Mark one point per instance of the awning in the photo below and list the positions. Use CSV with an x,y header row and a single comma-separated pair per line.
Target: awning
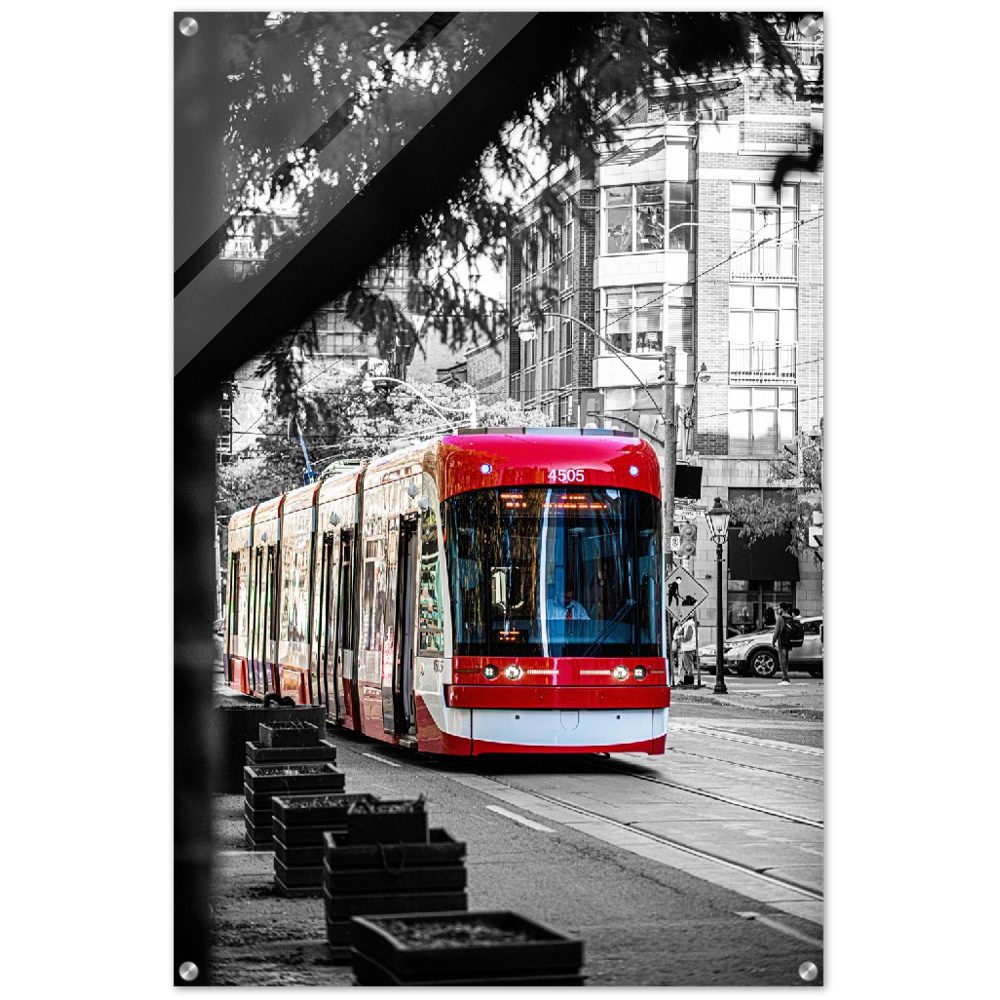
x,y
767,559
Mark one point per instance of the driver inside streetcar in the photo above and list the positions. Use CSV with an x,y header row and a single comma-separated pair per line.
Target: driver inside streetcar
x,y
566,608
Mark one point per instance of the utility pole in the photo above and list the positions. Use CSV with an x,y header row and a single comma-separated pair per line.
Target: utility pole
x,y
218,563
669,449
669,470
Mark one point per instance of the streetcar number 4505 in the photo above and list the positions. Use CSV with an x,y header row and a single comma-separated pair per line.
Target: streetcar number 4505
x,y
565,475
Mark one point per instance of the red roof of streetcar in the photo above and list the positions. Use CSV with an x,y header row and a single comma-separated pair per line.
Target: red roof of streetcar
x,y
538,458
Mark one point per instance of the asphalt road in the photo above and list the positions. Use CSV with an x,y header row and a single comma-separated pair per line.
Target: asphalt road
x,y
701,867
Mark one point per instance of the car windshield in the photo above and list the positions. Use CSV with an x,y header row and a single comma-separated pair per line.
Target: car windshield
x,y
537,571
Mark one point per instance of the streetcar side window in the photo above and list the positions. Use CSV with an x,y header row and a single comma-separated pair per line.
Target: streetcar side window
x,y
431,612
234,594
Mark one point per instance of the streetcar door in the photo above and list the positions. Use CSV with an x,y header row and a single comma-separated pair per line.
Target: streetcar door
x,y
390,643
270,616
254,657
325,658
404,709
344,680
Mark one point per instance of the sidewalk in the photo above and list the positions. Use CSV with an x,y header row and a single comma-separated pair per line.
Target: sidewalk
x,y
804,696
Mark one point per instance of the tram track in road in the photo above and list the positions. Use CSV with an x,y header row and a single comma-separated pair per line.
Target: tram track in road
x,y
728,737
695,852
748,767
714,796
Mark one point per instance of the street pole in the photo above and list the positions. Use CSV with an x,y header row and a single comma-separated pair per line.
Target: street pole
x,y
218,563
720,684
669,471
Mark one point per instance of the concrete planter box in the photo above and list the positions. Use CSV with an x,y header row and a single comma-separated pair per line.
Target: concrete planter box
x,y
260,816
293,779
274,735
324,752
471,948
298,881
237,724
258,838
440,850
300,821
316,809
295,856
387,822
375,881
345,907
308,836
368,972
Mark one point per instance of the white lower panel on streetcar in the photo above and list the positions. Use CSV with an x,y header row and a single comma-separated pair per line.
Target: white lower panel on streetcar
x,y
553,727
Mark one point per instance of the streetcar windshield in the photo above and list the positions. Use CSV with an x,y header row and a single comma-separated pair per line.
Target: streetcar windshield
x,y
543,571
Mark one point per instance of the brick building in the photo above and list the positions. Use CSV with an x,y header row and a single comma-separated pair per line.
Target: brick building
x,y
679,234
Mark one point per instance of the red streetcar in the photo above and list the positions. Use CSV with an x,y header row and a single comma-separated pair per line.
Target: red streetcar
x,y
484,592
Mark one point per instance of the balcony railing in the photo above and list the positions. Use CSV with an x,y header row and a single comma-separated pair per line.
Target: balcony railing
x,y
761,363
771,262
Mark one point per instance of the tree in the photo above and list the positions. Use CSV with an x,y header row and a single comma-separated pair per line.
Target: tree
x,y
340,420
366,77
791,512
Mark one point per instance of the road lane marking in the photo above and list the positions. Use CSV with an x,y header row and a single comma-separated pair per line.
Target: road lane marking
x,y
777,925
524,821
381,760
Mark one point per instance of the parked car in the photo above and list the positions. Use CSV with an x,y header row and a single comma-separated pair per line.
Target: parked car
x,y
755,655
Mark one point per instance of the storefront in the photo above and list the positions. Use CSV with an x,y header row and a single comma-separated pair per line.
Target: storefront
x,y
761,576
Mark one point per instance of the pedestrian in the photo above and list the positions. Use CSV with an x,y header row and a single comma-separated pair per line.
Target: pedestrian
x,y
675,656
780,639
689,648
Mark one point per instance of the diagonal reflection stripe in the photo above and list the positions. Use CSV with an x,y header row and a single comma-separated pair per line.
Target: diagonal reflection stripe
x,y
211,301
322,137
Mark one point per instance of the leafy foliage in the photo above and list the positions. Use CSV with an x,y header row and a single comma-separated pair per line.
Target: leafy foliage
x,y
354,81
340,420
791,511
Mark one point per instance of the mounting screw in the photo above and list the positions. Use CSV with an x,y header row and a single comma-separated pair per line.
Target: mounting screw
x,y
189,972
189,27
808,971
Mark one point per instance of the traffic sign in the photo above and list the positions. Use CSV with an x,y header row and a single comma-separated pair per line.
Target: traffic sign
x,y
684,594
815,536
675,544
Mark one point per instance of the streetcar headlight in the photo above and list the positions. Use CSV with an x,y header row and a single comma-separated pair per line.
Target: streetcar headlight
x,y
639,672
491,672
513,672
620,672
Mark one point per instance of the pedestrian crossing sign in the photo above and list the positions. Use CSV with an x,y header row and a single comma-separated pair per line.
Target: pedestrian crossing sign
x,y
684,594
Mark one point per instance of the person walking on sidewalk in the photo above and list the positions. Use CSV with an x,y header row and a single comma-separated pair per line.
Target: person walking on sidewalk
x,y
689,648
780,639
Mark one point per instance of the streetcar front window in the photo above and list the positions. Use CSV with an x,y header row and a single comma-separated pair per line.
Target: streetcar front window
x,y
539,571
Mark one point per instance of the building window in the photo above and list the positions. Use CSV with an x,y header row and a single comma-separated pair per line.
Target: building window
x,y
763,230
633,218
763,322
681,215
752,603
680,318
633,319
564,410
567,229
761,420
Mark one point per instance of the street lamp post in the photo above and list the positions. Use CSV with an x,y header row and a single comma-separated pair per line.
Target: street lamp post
x,y
718,527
